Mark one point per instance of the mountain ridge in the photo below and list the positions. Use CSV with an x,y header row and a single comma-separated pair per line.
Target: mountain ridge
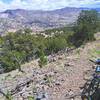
x,y
82,8
37,20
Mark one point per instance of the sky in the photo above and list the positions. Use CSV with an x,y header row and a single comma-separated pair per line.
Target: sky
x,y
47,4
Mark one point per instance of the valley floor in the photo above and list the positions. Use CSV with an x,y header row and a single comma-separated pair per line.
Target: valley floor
x,y
57,80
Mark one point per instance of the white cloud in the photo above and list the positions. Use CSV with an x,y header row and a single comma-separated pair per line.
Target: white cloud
x,y
2,6
47,4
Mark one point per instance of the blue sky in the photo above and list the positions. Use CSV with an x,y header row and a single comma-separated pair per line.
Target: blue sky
x,y
47,4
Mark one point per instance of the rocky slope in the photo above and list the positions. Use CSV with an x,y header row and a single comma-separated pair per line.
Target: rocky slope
x,y
59,79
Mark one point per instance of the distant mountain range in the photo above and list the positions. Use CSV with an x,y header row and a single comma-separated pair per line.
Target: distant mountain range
x,y
37,20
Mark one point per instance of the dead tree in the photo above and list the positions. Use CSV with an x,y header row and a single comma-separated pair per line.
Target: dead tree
x,y
20,86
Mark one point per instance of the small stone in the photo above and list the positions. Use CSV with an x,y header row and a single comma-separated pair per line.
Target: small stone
x,y
57,83
70,92
55,72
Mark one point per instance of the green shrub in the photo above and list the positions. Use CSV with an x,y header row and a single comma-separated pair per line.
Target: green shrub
x,y
85,27
43,58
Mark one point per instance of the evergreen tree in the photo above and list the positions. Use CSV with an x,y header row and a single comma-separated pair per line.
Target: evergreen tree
x,y
85,27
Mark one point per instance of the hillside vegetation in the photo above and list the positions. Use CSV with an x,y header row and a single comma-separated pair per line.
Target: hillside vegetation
x,y
22,46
